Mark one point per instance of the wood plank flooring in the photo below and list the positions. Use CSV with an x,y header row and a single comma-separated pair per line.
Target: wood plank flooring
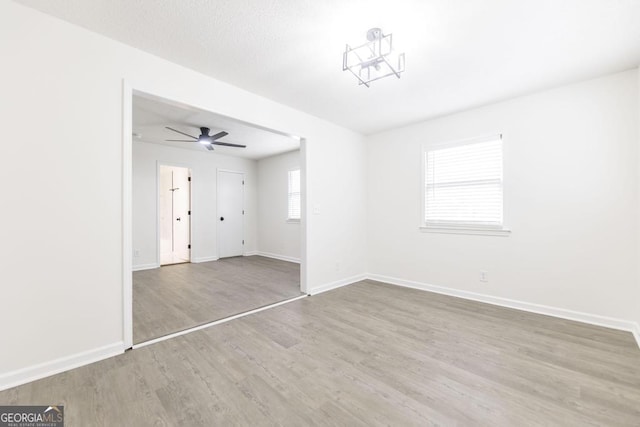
x,y
177,297
365,354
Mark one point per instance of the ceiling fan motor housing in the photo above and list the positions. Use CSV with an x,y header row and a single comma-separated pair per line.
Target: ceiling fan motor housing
x,y
205,139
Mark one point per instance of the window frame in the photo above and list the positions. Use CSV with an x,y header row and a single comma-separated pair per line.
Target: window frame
x,y
471,229
289,193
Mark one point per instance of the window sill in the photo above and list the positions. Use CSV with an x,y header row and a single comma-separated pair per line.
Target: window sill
x,y
478,231
293,221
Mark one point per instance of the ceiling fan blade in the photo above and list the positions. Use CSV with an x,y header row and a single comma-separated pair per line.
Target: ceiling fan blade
x,y
226,144
208,147
182,133
219,135
179,140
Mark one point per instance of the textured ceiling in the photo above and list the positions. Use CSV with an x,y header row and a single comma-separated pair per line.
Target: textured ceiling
x,y
459,53
151,115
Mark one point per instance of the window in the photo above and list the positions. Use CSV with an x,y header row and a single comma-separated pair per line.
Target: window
x,y
294,196
463,186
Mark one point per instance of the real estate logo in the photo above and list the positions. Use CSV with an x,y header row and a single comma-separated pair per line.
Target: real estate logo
x,y
31,416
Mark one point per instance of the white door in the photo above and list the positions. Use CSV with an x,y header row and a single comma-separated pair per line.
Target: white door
x,y
230,214
175,219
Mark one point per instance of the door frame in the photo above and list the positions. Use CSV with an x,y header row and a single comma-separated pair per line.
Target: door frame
x,y
218,170
148,89
160,163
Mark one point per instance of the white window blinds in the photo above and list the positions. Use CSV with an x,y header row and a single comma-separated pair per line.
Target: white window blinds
x,y
294,194
463,184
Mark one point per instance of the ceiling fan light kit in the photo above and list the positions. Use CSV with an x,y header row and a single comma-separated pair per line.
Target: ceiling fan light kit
x,y
373,60
205,139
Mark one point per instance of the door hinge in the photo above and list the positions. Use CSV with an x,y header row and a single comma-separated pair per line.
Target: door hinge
x,y
243,212
188,246
243,182
189,213
189,179
243,242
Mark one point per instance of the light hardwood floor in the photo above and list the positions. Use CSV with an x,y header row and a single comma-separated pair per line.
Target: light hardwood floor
x,y
177,297
365,354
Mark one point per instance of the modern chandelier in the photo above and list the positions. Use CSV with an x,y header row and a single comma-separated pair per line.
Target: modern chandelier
x,y
373,60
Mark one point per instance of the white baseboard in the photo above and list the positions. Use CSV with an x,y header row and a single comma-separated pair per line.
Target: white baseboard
x,y
42,370
250,253
337,284
204,259
276,256
141,267
593,319
636,333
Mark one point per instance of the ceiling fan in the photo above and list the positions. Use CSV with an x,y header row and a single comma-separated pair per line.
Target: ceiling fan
x,y
205,139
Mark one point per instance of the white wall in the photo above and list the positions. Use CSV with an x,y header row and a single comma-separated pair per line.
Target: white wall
x,y
571,200
203,200
62,255
277,237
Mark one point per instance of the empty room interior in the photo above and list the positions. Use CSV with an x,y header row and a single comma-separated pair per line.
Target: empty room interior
x,y
216,227
320,213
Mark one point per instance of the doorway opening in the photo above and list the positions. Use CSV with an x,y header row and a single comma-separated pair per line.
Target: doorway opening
x,y
218,214
174,208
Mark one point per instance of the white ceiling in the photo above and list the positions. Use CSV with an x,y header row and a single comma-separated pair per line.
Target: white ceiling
x,y
459,53
151,115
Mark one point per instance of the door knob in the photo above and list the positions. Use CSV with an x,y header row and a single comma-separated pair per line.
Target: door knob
x,y
178,219
221,218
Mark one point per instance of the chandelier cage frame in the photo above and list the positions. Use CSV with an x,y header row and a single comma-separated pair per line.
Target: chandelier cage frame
x,y
373,60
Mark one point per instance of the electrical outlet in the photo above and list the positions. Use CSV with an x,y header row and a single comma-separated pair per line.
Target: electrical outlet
x,y
136,253
484,276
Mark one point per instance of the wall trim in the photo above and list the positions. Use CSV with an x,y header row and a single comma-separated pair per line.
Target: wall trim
x,y
42,370
204,259
636,332
337,284
250,253
141,267
127,213
46,369
276,256
593,319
